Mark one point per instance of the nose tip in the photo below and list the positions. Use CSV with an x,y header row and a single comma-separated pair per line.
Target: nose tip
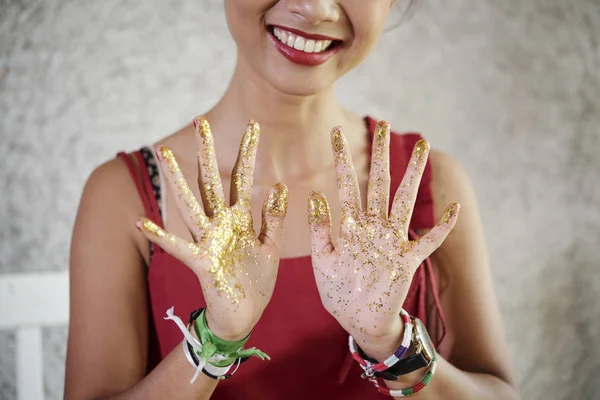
x,y
315,11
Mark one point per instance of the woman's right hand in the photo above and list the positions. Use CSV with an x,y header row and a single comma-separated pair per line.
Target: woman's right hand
x,y
237,269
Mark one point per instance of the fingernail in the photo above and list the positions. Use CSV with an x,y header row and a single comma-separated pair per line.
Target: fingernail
x,y
452,210
202,127
253,127
252,134
382,129
421,150
318,209
138,225
337,139
151,227
277,202
164,153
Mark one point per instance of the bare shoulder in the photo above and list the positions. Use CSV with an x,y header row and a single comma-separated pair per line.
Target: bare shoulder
x,y
107,287
450,183
111,200
113,174
468,298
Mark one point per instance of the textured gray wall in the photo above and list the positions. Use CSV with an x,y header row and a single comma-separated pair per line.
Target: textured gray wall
x,y
511,88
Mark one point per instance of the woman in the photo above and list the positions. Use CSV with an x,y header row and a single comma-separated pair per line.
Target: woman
x,y
195,249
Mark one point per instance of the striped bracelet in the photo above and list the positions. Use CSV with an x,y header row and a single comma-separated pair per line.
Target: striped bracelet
x,y
369,367
382,388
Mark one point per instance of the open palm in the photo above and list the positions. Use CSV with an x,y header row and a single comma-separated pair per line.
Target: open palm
x,y
237,269
363,280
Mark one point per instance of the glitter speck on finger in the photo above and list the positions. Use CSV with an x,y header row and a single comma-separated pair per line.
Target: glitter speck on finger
x,y
278,201
452,210
318,209
421,150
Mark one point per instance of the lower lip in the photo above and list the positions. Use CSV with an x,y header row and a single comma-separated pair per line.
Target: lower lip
x,y
302,58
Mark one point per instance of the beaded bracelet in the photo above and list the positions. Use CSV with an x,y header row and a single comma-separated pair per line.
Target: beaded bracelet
x,y
382,388
369,367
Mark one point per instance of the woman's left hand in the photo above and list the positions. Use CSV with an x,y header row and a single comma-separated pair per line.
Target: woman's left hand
x,y
363,280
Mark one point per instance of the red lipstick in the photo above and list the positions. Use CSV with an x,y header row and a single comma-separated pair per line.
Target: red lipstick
x,y
301,57
304,34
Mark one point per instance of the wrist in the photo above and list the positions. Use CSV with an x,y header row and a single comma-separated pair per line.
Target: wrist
x,y
229,335
382,346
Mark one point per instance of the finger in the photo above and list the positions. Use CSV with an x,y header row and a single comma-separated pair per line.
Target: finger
x,y
243,171
347,183
190,209
179,248
425,246
273,215
319,220
208,174
378,194
404,200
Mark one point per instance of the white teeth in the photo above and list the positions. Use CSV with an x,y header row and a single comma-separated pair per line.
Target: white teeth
x,y
309,47
301,43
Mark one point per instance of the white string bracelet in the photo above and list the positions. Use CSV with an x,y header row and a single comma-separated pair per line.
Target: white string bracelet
x,y
202,363
211,369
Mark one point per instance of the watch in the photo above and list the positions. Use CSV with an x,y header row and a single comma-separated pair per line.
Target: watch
x,y
424,354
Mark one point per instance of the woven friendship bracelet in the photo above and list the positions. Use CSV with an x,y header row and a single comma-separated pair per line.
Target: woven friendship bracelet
x,y
369,367
382,388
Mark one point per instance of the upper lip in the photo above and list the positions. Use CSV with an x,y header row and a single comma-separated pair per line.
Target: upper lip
x,y
305,34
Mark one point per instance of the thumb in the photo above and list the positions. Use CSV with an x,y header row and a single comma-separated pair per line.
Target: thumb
x,y
274,211
319,219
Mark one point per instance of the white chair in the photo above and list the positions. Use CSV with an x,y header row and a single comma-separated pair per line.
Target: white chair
x,y
29,302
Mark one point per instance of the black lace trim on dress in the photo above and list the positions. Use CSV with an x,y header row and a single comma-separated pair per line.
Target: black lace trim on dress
x,y
152,166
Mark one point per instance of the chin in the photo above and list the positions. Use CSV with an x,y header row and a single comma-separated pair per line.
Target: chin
x,y
300,67
303,84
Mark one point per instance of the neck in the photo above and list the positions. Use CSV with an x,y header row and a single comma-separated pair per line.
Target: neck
x,y
294,138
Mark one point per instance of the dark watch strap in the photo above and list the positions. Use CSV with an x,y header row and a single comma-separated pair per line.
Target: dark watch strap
x,y
402,367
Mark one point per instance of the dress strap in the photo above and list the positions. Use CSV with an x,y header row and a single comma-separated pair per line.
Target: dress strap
x,y
436,299
139,166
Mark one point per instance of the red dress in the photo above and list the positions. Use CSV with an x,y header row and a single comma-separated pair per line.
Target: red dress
x,y
308,348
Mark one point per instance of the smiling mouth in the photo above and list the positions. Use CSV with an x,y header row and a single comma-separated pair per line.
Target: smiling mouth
x,y
305,44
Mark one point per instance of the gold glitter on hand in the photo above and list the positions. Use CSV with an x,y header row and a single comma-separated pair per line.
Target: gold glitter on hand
x,y
210,177
421,151
236,270
244,168
452,210
382,129
365,277
203,128
318,209
337,140
189,207
277,202
150,227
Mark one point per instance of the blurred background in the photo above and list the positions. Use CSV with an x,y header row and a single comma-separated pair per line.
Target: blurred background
x,y
511,88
